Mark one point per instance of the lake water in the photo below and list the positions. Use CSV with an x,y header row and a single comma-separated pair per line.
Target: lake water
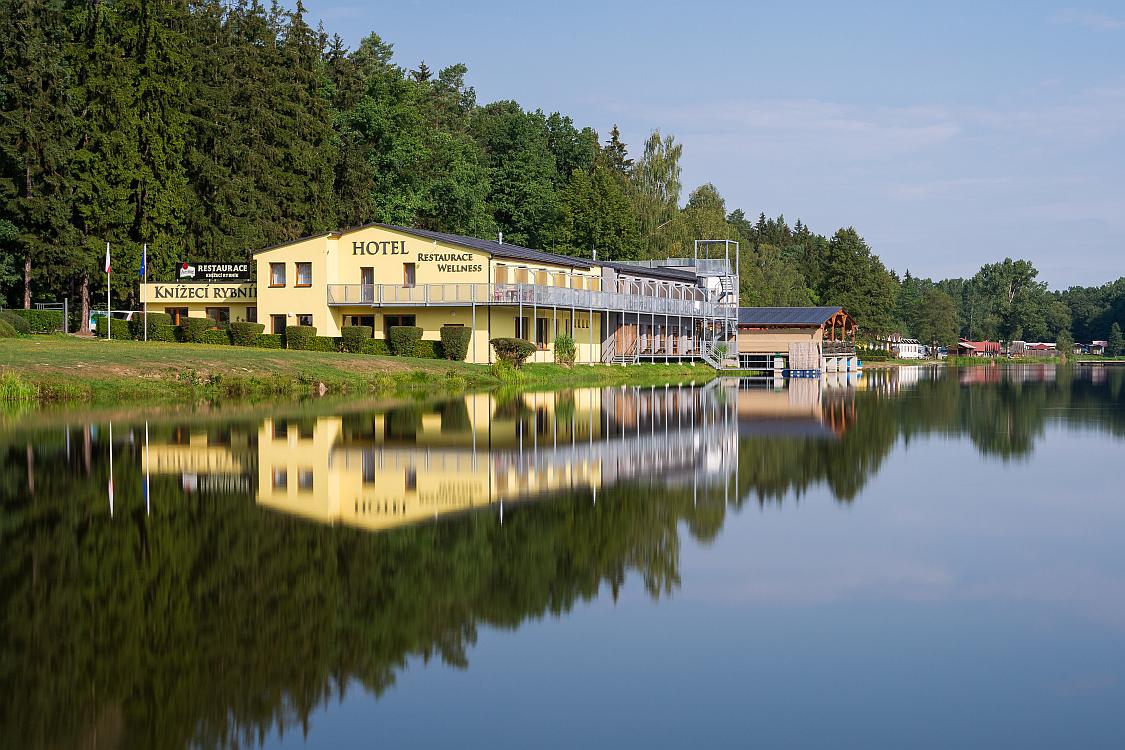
x,y
914,558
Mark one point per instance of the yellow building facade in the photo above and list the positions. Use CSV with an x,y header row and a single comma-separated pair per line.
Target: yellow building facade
x,y
384,276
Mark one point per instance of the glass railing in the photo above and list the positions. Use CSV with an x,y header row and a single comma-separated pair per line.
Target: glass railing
x,y
685,302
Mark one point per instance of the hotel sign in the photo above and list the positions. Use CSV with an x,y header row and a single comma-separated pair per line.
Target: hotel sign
x,y
213,272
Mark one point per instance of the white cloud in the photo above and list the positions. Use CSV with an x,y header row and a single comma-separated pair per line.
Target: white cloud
x,y
1089,20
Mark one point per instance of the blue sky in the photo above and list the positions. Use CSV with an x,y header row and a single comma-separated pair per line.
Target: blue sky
x,y
949,134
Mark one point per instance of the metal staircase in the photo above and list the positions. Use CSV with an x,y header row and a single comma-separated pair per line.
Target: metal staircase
x,y
629,357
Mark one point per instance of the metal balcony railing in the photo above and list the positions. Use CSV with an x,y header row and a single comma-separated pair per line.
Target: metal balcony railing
x,y
690,301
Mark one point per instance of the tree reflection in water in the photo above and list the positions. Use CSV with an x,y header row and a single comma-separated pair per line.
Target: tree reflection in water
x,y
214,620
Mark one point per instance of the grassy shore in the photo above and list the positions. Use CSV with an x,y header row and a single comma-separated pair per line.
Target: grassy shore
x,y
60,369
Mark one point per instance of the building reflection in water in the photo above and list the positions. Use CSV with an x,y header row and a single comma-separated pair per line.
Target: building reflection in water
x,y
419,461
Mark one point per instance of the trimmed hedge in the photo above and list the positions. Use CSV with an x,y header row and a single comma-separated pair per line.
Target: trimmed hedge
x,y
455,342
216,336
42,321
194,330
428,350
155,320
513,351
322,344
375,346
403,340
246,334
270,341
119,329
18,322
299,337
162,333
7,331
352,338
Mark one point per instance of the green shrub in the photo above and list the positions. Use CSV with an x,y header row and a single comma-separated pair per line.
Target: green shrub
x,y
216,336
404,340
15,321
15,388
7,331
428,350
352,338
513,351
872,355
155,320
194,330
119,329
165,332
270,341
565,352
299,337
322,344
455,342
245,334
42,321
375,346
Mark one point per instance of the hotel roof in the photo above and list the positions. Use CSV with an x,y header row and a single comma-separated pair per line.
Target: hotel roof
x,y
785,316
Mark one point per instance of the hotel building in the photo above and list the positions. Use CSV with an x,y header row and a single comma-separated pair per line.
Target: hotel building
x,y
382,276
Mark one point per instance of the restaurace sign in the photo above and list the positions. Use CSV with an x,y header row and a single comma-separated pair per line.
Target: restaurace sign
x,y
213,272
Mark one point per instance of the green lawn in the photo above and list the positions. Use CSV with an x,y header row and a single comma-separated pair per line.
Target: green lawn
x,y
68,368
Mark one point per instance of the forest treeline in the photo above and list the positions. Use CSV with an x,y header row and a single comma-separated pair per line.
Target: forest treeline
x,y
208,129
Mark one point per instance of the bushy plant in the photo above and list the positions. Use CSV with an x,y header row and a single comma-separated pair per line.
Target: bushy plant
x,y
162,333
245,334
403,340
565,351
322,344
155,320
352,338
119,329
270,341
42,321
455,342
299,337
375,346
7,331
15,321
216,336
513,351
428,350
194,330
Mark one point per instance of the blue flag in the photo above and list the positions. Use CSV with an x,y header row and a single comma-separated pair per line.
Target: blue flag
x,y
144,262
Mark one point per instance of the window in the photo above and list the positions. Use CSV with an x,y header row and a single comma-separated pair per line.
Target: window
x,y
304,319
521,328
521,275
280,429
408,275
177,314
251,315
305,480
541,278
389,321
501,275
277,274
304,274
280,478
277,324
219,314
542,326
360,320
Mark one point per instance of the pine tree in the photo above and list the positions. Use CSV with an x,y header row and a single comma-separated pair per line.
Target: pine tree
x,y
616,155
1116,344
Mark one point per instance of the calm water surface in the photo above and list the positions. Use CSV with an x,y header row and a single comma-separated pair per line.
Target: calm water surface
x,y
909,559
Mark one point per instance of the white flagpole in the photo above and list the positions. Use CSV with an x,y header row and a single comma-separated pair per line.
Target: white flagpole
x,y
111,469
148,469
108,310
144,293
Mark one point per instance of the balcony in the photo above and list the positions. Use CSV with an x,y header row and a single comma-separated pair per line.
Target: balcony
x,y
838,347
682,302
